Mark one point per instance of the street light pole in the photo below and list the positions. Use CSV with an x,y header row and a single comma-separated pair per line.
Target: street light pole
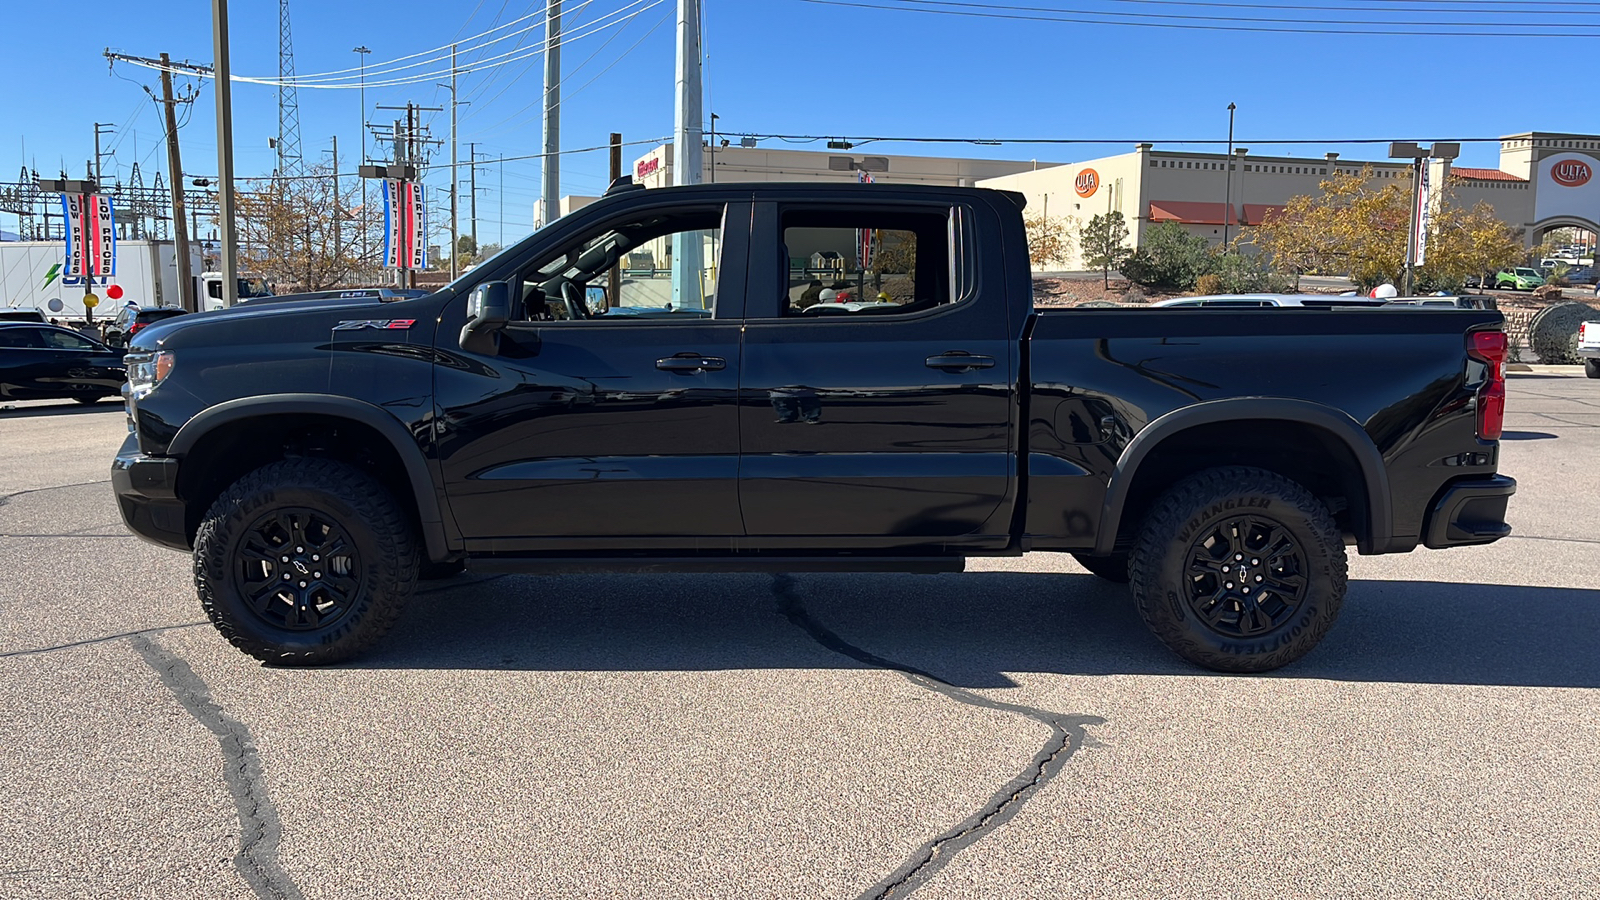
x,y
1227,203
363,51
224,90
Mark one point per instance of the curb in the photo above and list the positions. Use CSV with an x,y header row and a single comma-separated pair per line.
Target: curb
x,y
1521,368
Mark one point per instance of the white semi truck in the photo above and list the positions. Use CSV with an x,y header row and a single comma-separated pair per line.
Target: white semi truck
x,y
147,275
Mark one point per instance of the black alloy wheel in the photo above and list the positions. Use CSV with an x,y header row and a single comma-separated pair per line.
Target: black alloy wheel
x,y
298,569
305,562
1239,570
1246,576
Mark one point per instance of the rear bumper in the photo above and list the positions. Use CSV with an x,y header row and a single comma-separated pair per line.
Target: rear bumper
x,y
146,491
1471,511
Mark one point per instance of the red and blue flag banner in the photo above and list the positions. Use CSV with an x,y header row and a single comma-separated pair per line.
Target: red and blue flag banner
x,y
91,236
405,225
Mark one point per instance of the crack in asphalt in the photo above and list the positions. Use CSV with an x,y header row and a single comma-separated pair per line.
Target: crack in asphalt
x,y
1068,736
260,832
1559,540
6,498
100,640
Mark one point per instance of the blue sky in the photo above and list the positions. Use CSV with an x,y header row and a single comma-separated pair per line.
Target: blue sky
x,y
793,67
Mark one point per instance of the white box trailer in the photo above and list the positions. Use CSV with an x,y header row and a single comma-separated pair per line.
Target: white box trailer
x,y
147,273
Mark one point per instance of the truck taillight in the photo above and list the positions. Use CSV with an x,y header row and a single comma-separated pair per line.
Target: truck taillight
x,y
1490,347
134,328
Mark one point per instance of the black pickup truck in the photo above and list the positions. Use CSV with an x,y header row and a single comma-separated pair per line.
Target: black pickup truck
x,y
708,379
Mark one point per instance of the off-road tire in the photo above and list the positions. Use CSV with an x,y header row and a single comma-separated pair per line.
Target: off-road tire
x,y
1591,368
384,560
1202,513
1113,568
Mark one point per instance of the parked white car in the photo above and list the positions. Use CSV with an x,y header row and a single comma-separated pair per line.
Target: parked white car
x,y
1589,348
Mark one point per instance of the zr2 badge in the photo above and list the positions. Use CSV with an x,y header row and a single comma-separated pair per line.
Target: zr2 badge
x,y
380,324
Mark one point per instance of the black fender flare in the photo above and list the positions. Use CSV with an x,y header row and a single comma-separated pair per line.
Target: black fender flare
x,y
1337,422
430,515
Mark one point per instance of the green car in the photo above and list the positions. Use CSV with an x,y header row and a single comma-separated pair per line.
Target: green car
x,y
1518,279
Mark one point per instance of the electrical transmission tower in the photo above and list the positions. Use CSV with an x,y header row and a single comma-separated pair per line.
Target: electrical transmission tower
x,y
289,162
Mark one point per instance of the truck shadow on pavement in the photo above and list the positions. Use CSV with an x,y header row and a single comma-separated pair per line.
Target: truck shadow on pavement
x,y
970,629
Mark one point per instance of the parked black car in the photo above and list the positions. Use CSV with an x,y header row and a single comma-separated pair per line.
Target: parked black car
x,y
134,319
45,362
318,459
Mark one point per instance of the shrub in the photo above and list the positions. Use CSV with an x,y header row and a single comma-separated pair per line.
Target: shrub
x,y
1237,273
1171,258
1209,283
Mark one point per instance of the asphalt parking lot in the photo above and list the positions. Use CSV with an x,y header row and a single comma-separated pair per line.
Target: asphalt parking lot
x,y
1008,732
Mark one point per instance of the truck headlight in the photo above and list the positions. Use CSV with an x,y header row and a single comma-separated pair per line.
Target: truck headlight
x,y
146,370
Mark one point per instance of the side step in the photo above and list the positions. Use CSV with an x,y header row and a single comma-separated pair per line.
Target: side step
x,y
648,565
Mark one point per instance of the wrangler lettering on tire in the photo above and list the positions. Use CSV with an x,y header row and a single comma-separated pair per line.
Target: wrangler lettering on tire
x,y
1239,570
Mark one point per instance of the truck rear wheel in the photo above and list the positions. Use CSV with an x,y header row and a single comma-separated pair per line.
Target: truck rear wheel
x,y
1239,570
1591,368
305,562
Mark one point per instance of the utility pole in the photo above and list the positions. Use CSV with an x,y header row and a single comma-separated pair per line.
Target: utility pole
x,y
99,128
614,277
1227,204
224,89
338,214
687,290
455,134
180,227
363,50
472,192
550,185
501,230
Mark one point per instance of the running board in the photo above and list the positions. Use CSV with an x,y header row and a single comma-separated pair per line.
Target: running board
x,y
649,565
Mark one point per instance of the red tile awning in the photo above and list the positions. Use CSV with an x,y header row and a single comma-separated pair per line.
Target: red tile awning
x,y
1484,174
1191,212
1255,213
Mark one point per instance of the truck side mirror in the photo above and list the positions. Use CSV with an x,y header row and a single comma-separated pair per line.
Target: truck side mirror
x,y
488,311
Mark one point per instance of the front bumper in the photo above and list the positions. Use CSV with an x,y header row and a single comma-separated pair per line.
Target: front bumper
x,y
1470,511
146,491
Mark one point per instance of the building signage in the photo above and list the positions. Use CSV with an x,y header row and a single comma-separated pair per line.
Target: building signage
x,y
1087,182
647,167
1571,173
1565,188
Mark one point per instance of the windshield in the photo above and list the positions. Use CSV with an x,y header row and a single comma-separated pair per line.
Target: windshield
x,y
1527,273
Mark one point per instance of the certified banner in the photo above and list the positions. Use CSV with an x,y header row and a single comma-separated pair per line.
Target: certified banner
x,y
416,226
391,223
1423,219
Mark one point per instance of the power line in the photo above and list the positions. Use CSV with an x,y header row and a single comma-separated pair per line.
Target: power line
x,y
513,56
1260,19
1397,6
859,141
1018,13
592,79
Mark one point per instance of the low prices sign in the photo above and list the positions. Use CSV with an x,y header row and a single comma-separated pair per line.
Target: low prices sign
x,y
91,234
405,225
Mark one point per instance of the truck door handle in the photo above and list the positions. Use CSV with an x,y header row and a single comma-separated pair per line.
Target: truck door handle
x,y
691,362
959,361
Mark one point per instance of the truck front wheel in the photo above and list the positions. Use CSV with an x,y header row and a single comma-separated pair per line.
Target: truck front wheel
x,y
1591,368
1239,570
305,562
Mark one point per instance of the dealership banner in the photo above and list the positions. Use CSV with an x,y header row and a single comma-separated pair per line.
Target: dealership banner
x,y
405,225
91,235
1422,219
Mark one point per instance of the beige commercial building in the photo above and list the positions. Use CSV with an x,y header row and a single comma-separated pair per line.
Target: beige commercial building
x,y
1544,181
